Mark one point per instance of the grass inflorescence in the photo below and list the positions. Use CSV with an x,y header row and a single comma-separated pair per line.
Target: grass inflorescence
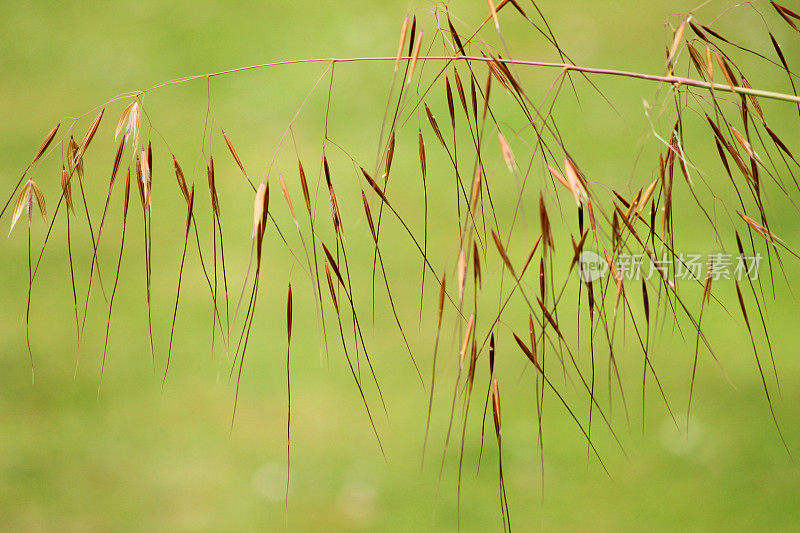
x,y
507,284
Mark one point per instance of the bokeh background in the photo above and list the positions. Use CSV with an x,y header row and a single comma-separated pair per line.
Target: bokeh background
x,y
137,456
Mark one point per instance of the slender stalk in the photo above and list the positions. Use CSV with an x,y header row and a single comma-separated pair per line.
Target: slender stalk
x,y
674,80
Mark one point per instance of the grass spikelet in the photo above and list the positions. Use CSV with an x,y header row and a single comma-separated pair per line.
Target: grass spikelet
x,y
473,98
508,155
422,160
73,166
46,143
697,61
368,214
331,287
493,12
304,186
434,125
575,182
753,100
42,148
457,41
412,35
498,433
460,91
145,179
730,77
139,181
286,196
787,15
501,250
129,122
335,214
450,108
462,274
181,180
234,154
528,352
258,209
544,219
709,64
87,139
389,156
374,187
647,194
476,191
424,168
212,187
414,57
496,408
66,189
487,90
24,203
746,145
761,230
465,343
557,175
676,41
402,43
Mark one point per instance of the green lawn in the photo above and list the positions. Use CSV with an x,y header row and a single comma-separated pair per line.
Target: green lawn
x,y
139,456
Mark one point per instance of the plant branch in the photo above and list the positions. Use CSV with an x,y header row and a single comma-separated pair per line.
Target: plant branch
x,y
673,80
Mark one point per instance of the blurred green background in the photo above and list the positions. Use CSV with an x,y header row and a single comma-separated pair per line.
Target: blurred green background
x,y
137,457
